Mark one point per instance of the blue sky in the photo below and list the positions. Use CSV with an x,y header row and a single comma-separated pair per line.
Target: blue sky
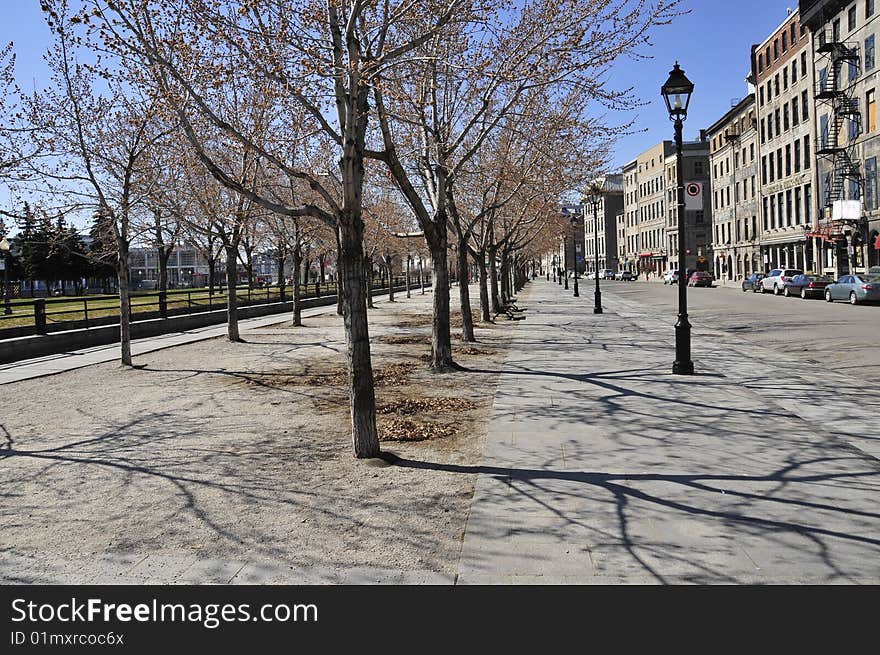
x,y
712,44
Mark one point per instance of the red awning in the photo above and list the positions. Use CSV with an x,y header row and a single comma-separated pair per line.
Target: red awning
x,y
877,243
646,254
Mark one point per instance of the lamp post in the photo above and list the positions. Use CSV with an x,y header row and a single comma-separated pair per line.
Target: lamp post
x,y
595,197
4,249
574,221
677,94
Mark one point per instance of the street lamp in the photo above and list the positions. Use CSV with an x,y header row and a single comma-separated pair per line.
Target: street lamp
x,y
595,198
565,258
574,221
4,248
677,94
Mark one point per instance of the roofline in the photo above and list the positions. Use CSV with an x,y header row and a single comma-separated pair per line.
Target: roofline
x,y
795,12
738,108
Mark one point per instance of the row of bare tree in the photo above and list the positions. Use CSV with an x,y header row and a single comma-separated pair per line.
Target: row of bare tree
x,y
348,122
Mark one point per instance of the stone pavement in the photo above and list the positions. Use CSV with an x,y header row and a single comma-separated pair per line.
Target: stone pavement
x,y
602,467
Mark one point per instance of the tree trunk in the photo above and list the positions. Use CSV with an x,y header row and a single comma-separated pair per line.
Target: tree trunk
x,y
340,272
231,296
388,264
212,275
485,314
124,308
297,281
441,342
164,255
323,261
368,276
493,283
421,276
360,369
282,283
464,293
408,294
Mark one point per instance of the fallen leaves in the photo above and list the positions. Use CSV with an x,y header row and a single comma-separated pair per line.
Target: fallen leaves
x,y
403,429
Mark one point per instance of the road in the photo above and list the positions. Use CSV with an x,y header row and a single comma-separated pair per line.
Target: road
x,y
844,338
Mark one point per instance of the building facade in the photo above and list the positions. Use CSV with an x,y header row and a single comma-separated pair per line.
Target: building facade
x,y
609,205
698,222
847,235
783,74
733,162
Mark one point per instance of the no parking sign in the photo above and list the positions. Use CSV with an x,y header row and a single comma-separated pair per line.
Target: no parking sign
x,y
693,196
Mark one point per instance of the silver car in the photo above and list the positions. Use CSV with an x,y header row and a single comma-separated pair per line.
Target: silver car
x,y
855,289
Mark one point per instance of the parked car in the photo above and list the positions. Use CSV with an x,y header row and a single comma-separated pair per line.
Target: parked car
x,y
775,279
626,276
855,288
806,286
700,279
671,276
607,274
752,282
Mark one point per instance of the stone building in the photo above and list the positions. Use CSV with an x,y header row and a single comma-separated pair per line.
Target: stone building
x,y
846,238
698,222
733,162
610,203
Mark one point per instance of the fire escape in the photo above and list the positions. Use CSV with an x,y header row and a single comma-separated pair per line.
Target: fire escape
x,y
836,147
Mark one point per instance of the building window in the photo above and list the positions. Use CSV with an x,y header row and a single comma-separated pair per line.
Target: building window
x,y
804,64
871,183
835,31
869,53
760,63
769,91
776,84
854,124
807,152
788,160
797,206
788,216
871,111
823,80
766,215
772,213
761,96
779,163
823,132
785,119
805,106
775,49
753,186
794,113
793,34
869,8
751,152
779,215
785,79
794,72
770,167
777,117
763,134
764,170
797,156
853,70
851,18
784,42
808,203
698,168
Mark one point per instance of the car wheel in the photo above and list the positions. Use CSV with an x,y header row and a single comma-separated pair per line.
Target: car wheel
x,y
786,292
803,294
775,289
853,298
744,288
828,297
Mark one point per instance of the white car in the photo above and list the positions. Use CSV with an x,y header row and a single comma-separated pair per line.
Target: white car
x,y
670,276
775,280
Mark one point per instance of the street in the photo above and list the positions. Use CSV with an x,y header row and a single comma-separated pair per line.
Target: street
x,y
838,336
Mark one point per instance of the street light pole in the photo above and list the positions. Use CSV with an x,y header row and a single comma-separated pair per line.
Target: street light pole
x,y
677,93
597,294
4,249
574,252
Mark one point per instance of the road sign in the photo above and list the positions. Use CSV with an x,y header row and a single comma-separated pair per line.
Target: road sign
x,y
701,259
693,196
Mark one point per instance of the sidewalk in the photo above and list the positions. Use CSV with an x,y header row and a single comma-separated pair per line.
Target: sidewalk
x,y
602,467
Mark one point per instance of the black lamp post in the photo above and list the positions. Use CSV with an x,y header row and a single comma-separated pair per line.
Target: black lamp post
x,y
677,94
574,221
595,198
4,251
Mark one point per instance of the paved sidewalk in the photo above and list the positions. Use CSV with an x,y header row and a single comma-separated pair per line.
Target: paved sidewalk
x,y
602,467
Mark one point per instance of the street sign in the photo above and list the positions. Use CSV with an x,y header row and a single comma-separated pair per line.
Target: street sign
x,y
701,259
693,196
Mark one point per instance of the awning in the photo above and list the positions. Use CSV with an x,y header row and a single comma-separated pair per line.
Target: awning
x,y
646,254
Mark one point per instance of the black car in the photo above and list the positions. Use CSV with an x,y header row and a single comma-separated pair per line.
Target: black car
x,y
751,282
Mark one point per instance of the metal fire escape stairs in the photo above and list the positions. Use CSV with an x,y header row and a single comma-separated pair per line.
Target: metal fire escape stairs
x,y
837,147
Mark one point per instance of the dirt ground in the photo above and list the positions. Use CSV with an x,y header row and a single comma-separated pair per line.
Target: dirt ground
x,y
242,451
